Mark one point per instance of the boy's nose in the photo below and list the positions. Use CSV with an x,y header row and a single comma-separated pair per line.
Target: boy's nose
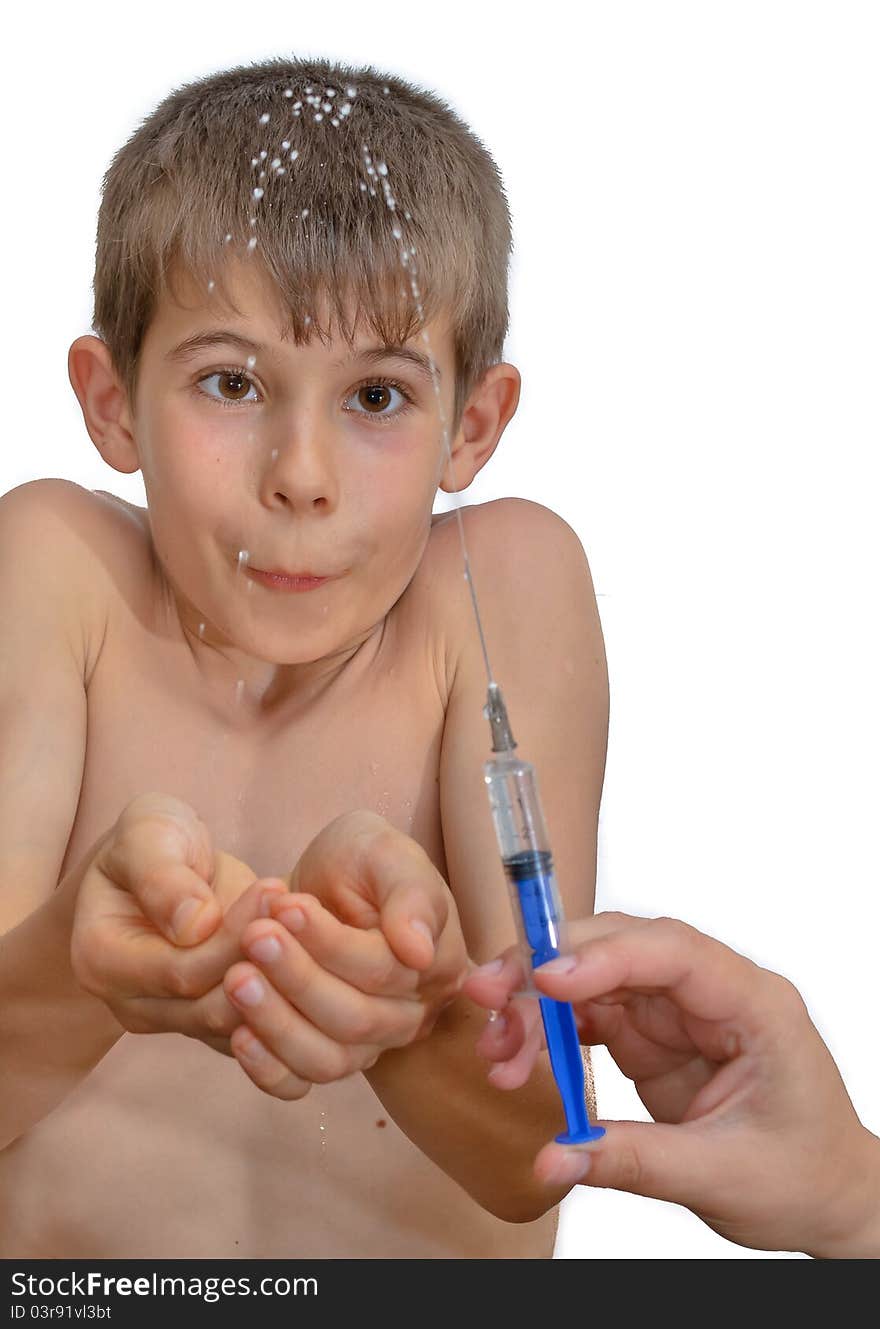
x,y
300,472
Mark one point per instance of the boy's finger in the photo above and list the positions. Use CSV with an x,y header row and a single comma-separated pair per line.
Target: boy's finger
x,y
413,901
284,1031
360,957
266,1071
173,895
333,1006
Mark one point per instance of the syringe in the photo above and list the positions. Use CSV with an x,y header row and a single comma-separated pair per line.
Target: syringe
x,y
528,862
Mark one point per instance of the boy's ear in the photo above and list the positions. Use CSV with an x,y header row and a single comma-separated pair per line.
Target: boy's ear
x,y
489,409
104,403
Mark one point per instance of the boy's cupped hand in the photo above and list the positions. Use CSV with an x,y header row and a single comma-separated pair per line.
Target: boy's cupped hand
x,y
158,921
360,956
303,985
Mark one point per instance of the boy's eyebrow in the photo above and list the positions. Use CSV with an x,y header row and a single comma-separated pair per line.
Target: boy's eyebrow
x,y
222,337
420,362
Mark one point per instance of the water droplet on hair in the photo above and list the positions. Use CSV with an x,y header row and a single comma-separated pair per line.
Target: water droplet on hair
x,y
319,116
386,91
329,92
297,106
227,239
258,193
351,92
264,119
285,144
334,121
326,107
288,92
275,163
252,243
345,108
255,161
294,155
304,213
263,155
383,169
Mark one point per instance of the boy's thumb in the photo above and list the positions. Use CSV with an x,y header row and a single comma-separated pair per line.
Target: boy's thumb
x,y
653,1159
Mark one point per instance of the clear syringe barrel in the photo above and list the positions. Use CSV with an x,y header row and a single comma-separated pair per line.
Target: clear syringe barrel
x,y
527,858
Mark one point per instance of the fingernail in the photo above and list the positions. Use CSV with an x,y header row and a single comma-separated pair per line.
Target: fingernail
x,y
251,1048
184,914
293,919
489,970
266,902
563,964
249,993
422,929
265,950
570,1168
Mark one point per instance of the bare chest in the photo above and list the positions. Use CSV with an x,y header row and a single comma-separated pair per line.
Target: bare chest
x,y
371,740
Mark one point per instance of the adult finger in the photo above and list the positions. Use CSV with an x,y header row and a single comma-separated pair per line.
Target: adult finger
x,y
702,976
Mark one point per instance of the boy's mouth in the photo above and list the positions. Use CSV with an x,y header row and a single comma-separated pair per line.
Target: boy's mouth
x,y
279,580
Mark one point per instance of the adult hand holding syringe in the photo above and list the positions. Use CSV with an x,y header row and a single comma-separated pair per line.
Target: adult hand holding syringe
x,y
753,1127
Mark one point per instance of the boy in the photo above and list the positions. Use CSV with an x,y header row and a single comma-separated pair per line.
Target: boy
x,y
274,664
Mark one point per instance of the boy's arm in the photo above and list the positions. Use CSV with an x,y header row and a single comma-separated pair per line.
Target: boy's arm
x,y
52,1032
545,645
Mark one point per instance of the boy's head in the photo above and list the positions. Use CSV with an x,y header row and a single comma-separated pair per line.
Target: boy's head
x,y
263,340
180,196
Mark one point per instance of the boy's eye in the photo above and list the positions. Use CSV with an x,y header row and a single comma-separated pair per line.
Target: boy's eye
x,y
377,398
232,386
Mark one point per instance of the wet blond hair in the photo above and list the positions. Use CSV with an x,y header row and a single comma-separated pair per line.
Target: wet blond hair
x,y
386,188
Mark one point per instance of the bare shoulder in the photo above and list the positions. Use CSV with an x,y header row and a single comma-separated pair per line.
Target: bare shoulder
x,y
517,549
82,549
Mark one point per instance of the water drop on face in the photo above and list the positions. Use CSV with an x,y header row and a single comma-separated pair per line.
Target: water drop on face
x,y
251,361
258,193
243,557
274,454
264,119
239,695
211,285
201,629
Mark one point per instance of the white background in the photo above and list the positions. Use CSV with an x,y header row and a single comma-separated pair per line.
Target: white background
x,y
695,312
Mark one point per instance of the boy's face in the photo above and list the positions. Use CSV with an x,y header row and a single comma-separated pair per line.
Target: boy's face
x,y
311,459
